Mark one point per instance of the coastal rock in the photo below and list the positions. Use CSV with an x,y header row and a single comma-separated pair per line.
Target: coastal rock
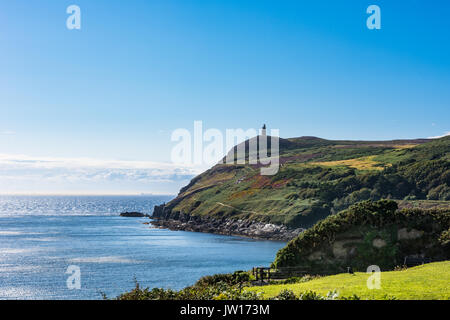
x,y
165,217
251,229
133,214
339,249
404,234
379,243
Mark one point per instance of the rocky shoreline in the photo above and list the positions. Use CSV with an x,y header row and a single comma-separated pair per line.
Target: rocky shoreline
x,y
254,230
165,217
134,214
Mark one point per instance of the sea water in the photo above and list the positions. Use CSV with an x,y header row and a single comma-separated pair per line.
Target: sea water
x,y
41,236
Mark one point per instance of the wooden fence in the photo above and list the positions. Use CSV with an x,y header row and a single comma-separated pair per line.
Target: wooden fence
x,y
267,274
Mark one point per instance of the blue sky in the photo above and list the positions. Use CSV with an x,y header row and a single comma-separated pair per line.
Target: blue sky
x,y
137,70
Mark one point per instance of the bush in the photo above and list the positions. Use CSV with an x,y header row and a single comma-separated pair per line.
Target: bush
x,y
285,295
445,237
292,280
310,295
215,287
237,277
381,217
352,297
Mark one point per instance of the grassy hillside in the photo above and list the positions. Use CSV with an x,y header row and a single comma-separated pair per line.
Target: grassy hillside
x,y
319,177
426,282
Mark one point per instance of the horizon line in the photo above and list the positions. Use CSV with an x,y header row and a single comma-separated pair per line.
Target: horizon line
x,y
85,194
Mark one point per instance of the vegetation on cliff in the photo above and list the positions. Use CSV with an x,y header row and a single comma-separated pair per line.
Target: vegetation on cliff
x,y
317,178
369,233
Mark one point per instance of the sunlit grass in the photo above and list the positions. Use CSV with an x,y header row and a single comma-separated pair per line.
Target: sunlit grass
x,y
426,282
363,163
404,146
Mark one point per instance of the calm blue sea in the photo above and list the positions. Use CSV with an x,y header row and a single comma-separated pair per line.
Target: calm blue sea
x,y
41,236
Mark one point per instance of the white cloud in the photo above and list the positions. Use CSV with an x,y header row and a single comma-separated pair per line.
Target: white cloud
x,y
444,135
23,173
109,259
7,133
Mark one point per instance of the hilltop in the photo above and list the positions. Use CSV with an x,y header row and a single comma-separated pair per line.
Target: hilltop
x,y
317,177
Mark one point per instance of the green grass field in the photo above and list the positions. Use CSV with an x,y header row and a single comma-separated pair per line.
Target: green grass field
x,y
426,282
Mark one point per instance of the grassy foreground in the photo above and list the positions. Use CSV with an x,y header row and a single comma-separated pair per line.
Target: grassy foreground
x,y
427,282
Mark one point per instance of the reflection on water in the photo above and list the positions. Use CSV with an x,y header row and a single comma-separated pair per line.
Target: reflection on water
x,y
36,248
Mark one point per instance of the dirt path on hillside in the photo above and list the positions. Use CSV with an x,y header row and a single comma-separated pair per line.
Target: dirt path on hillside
x,y
228,206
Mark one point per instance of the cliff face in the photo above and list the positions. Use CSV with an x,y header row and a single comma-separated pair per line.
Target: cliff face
x,y
168,216
317,177
252,229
